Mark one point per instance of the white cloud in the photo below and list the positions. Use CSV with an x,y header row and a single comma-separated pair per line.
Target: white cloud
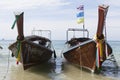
x,y
58,19
28,4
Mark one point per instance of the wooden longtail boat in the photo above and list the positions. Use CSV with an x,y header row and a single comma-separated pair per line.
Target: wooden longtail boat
x,y
31,50
86,52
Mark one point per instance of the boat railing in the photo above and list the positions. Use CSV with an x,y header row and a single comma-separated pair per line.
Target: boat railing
x,y
77,29
42,32
78,45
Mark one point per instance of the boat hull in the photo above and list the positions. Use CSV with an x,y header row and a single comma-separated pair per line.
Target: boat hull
x,y
31,53
84,54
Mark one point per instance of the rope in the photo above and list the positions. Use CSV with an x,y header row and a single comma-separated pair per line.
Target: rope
x,y
55,56
18,51
106,48
80,61
99,52
4,77
98,57
80,57
63,50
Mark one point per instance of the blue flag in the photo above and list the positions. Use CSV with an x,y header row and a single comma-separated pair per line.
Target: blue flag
x,y
80,14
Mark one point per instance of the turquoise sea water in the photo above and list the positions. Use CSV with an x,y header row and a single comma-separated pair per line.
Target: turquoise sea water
x,y
62,71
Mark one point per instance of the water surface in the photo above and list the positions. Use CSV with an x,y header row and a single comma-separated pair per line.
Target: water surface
x,y
51,71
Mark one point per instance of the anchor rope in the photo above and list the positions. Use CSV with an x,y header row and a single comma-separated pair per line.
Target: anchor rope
x,y
8,64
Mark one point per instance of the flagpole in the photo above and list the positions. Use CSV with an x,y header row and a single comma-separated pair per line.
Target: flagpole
x,y
80,17
83,30
83,24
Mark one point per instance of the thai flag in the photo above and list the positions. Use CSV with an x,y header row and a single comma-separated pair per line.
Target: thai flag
x,y
81,7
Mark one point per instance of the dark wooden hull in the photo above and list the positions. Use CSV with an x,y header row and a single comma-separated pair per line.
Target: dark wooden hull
x,y
32,53
84,53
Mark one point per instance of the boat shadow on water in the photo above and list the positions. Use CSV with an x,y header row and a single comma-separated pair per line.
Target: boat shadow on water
x,y
110,69
46,71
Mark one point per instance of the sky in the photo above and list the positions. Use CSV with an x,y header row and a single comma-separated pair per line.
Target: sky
x,y
57,16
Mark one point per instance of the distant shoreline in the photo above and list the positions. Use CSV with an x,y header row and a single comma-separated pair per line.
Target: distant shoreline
x,y
57,40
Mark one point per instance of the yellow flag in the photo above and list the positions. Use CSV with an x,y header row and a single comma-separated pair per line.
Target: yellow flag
x,y
80,20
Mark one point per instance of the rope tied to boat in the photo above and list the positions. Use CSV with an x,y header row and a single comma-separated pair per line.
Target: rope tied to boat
x,y
18,54
99,52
